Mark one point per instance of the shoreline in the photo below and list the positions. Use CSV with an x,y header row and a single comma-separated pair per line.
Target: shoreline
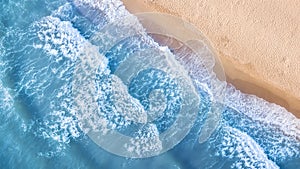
x,y
243,76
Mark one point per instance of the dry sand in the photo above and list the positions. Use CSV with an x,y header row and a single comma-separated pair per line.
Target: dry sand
x,y
257,41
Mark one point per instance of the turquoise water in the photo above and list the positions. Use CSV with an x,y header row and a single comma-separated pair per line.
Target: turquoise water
x,y
42,43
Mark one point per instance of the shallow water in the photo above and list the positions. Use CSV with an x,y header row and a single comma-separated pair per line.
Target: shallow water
x,y
42,44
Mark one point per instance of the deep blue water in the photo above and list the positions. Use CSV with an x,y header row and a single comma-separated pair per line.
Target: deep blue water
x,y
43,51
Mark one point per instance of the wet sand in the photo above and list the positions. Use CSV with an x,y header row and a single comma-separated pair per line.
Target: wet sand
x,y
257,42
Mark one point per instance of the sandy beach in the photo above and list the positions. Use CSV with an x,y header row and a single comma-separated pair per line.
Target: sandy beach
x,y
257,42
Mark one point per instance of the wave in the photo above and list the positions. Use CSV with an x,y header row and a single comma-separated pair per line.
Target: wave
x,y
273,128
252,132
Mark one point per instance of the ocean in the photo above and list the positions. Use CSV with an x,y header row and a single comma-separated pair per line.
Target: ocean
x,y
78,92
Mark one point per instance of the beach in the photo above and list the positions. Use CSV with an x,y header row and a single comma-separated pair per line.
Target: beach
x,y
257,42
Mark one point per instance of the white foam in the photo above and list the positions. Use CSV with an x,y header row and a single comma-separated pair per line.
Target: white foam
x,y
59,38
264,112
236,144
61,41
146,142
283,128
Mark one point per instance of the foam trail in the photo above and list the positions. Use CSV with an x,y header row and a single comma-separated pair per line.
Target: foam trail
x,y
236,144
263,111
275,129
61,41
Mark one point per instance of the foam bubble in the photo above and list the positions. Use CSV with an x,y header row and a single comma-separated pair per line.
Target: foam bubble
x,y
275,129
236,144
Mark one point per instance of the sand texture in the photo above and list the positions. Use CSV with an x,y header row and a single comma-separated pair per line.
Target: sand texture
x,y
257,41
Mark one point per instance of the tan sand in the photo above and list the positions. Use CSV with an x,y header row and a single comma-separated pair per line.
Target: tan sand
x,y
257,41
